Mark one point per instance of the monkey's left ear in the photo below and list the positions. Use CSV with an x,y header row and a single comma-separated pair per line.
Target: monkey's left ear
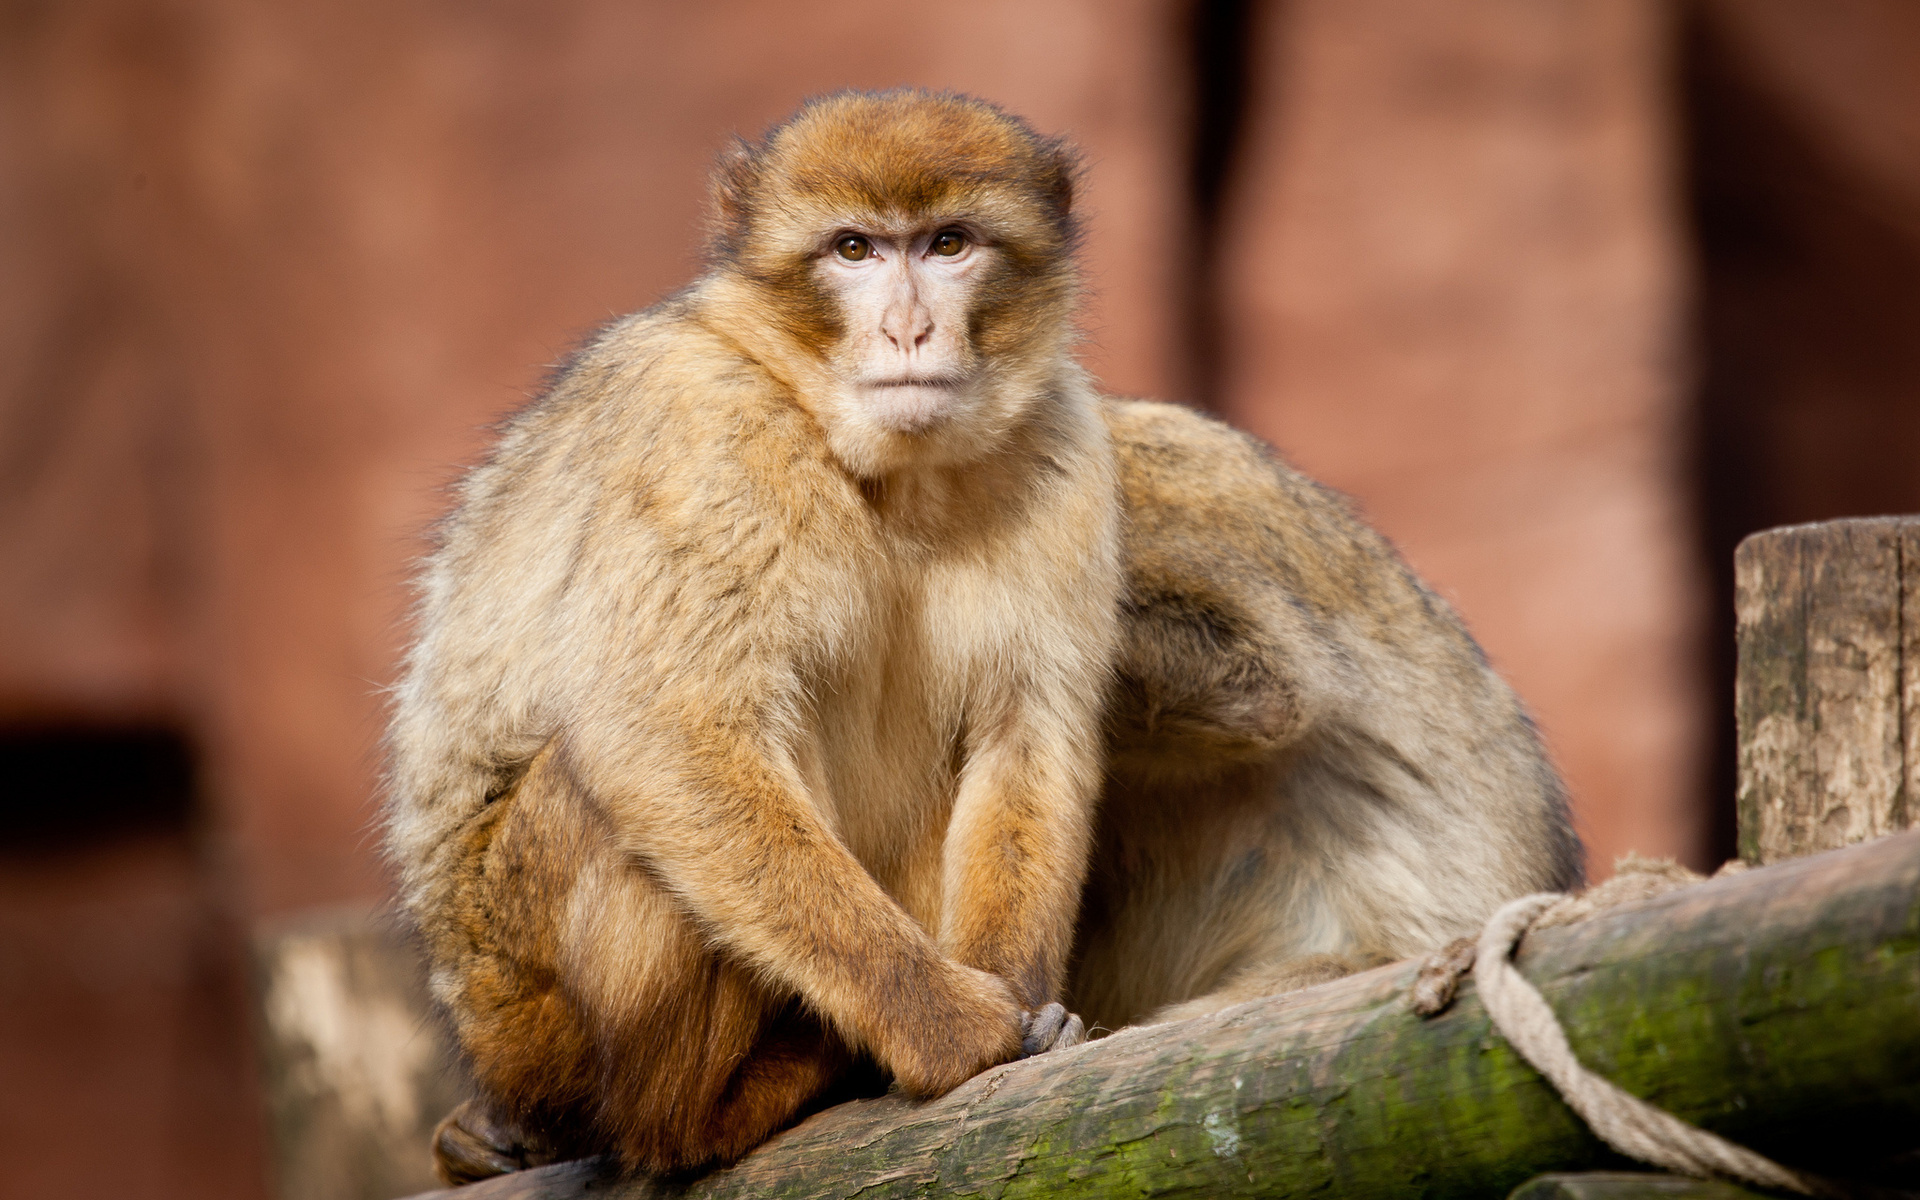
x,y
736,177
1062,175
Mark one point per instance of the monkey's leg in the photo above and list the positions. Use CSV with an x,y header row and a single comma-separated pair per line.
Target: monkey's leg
x,y
796,1067
758,874
492,934
709,1070
594,1014
696,1068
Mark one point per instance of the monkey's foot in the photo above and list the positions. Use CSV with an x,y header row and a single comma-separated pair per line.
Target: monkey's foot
x,y
1052,1028
469,1146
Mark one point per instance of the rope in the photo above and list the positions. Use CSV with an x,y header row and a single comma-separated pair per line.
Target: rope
x,y
1622,1120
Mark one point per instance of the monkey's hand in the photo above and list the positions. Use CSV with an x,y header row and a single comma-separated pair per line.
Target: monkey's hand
x,y
1052,1028
977,1024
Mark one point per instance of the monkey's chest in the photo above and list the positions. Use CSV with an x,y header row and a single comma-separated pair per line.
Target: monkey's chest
x,y
889,742
884,766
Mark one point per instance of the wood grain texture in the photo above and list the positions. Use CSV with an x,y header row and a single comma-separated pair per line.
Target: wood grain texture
x,y
356,1073
1829,684
1773,1007
1904,813
1628,1185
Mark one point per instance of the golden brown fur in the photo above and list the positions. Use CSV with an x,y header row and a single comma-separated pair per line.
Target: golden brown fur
x,y
1312,766
748,742
744,739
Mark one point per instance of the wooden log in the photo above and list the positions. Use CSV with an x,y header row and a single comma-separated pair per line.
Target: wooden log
x,y
1628,1185
356,1073
1828,692
1775,1007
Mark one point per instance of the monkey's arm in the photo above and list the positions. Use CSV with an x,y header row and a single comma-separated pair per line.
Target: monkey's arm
x,y
727,826
1016,849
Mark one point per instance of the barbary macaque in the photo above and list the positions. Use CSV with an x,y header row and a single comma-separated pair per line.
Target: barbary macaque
x,y
754,724
782,670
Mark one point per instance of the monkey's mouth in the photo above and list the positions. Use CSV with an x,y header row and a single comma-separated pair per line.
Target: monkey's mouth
x,y
915,404
918,381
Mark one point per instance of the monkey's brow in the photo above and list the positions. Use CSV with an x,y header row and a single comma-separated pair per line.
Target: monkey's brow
x,y
898,227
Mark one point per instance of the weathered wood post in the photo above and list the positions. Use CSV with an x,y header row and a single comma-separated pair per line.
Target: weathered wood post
x,y
1828,691
1828,722
357,1072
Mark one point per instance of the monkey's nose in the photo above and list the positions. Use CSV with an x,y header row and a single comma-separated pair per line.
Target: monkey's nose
x,y
907,330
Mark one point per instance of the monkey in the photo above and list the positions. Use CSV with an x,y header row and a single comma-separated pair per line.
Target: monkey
x,y
754,733
752,729
1312,767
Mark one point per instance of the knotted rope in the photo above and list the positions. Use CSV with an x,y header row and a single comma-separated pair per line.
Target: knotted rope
x,y
1622,1120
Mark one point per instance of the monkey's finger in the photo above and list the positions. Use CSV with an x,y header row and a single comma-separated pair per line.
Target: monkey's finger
x,y
1071,1034
1046,1026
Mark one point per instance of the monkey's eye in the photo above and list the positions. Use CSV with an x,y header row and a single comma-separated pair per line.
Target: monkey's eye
x,y
853,248
950,243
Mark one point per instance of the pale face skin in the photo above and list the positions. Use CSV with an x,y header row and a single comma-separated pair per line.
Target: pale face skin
x,y
905,365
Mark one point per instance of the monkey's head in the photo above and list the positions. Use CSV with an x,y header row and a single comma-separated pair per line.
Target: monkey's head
x,y
905,259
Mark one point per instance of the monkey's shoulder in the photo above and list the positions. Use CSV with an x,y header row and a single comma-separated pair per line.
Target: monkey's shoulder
x,y
659,419
661,380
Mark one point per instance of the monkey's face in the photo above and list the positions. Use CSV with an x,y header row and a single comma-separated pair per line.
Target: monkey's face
x,y
945,328
914,253
905,363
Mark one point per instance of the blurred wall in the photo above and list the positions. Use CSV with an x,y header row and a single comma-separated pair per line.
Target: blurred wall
x,y
1803,124
288,263
1455,289
267,273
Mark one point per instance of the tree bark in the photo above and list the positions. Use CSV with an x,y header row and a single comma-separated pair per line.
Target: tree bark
x,y
1828,694
356,1074
1774,1007
1628,1185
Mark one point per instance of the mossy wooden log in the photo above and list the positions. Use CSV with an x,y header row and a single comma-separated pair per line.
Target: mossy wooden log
x,y
1828,694
1776,1007
1628,1185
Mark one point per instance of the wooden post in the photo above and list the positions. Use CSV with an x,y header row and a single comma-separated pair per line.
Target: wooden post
x,y
356,1072
1828,692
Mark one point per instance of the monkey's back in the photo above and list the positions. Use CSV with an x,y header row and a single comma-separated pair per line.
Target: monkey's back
x,y
1309,753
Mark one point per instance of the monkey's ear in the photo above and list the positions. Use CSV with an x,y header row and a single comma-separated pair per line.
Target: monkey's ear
x,y
736,178
1060,177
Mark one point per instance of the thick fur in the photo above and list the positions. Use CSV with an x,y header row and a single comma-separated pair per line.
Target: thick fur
x,y
740,742
1312,767
745,745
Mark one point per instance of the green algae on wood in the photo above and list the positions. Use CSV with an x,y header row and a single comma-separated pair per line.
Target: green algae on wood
x,y
1774,1007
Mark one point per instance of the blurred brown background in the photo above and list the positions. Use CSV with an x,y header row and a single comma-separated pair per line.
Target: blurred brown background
x,y
1568,294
